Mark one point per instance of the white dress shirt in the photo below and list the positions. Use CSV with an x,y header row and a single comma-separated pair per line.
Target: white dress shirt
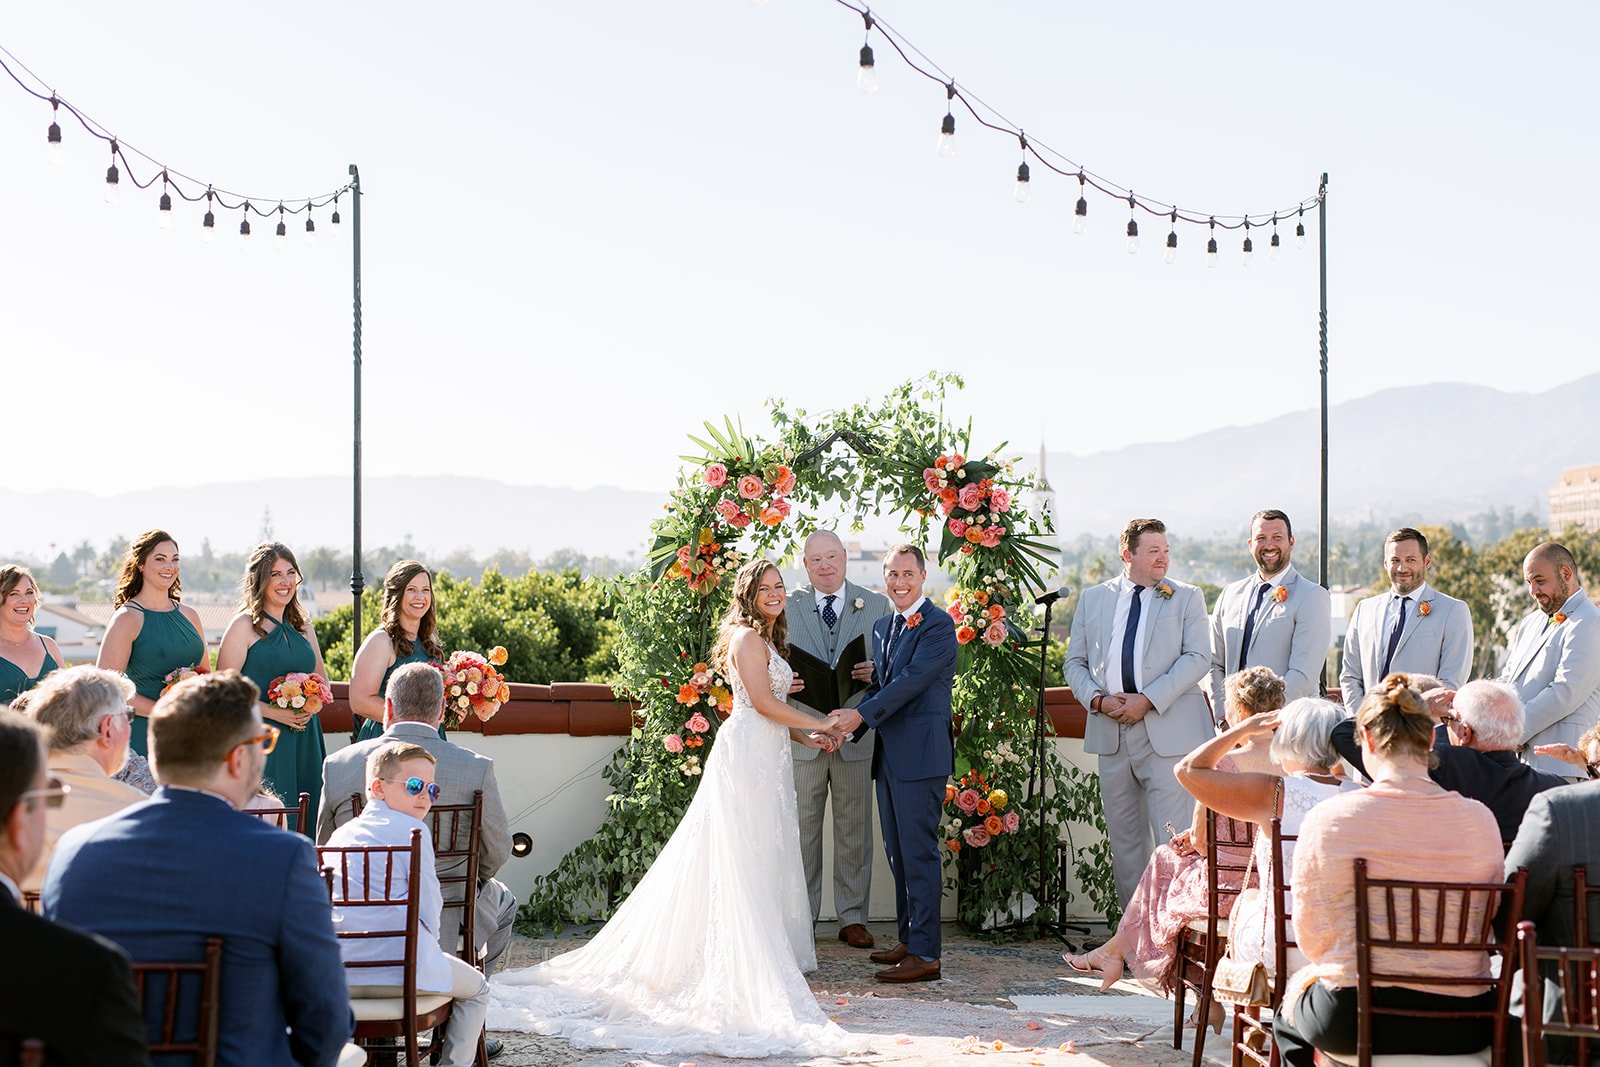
x,y
1115,683
379,824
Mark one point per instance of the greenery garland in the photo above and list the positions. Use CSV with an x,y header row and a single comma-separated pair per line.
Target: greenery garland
x,y
740,497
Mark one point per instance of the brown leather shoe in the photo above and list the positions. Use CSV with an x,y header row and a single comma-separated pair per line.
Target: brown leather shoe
x,y
911,969
856,936
890,955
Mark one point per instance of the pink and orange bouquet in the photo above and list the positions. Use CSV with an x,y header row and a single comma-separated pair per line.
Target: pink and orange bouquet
x,y
972,504
703,565
473,686
705,688
753,493
182,674
978,614
976,812
297,691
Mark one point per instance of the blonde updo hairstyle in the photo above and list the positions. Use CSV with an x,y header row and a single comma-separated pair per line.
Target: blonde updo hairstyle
x,y
1397,721
742,611
1253,691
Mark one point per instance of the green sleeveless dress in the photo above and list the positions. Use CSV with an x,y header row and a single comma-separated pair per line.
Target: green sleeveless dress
x,y
295,765
167,640
371,728
14,681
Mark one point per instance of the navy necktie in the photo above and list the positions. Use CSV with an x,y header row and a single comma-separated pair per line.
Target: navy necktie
x,y
1250,623
830,618
895,629
1130,635
1394,636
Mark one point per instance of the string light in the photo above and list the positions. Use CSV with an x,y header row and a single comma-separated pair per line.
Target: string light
x,y
867,72
1080,210
244,227
52,136
1247,253
1133,227
1211,246
113,191
1172,239
208,225
164,207
311,228
947,128
335,218
1022,172
1300,229
1272,245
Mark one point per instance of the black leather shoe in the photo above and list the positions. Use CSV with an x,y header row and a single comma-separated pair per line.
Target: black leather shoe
x,y
493,1046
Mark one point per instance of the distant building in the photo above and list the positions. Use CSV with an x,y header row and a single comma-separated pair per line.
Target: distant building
x,y
75,633
1575,500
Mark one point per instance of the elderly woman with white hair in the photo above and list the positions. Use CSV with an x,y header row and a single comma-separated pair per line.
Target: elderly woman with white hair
x,y
88,711
1302,750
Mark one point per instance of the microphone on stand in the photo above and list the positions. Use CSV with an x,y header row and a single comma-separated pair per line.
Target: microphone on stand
x,y
1053,595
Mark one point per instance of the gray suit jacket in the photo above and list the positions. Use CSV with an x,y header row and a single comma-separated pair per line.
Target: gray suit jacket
x,y
1291,638
807,631
459,773
1438,643
1175,657
1556,672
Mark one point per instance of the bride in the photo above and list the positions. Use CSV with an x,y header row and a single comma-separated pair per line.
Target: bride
x,y
707,954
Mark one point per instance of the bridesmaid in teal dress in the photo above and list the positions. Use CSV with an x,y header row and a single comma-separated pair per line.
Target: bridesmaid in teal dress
x,y
269,638
25,657
406,635
151,633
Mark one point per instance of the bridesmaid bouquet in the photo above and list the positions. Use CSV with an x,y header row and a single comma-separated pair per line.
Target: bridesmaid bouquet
x,y
295,691
976,812
472,685
182,674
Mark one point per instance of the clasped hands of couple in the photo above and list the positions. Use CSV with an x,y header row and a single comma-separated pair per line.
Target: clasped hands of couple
x,y
837,727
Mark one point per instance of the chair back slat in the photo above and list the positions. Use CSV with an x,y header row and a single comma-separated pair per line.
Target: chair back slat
x,y
203,1047
279,817
1577,976
32,902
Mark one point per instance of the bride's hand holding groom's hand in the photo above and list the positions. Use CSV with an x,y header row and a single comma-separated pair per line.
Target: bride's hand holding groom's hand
x,y
846,720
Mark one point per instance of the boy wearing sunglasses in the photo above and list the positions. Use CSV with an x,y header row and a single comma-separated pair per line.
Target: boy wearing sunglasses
x,y
401,791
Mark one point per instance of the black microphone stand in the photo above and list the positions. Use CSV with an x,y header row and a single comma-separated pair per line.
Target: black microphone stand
x,y
1037,776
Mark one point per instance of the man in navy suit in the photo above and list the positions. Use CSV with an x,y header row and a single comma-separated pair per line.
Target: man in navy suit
x,y
908,704
162,876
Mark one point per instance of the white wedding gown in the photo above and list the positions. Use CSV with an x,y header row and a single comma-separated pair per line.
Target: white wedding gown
x,y
707,954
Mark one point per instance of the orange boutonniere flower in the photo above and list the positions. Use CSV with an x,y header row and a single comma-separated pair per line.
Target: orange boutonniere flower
x,y
1425,608
1164,591
1280,594
914,620
1559,617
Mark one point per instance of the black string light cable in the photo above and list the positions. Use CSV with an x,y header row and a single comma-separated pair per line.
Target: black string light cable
x,y
1059,163
121,172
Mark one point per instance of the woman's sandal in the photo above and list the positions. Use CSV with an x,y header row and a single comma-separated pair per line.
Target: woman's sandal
x,y
1108,974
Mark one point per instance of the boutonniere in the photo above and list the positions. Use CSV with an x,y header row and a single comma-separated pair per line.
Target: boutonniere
x,y
1164,591
1425,608
1559,617
1280,594
914,620
858,603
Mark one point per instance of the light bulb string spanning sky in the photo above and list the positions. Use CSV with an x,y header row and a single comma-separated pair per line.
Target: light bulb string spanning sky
x,y
1030,146
172,180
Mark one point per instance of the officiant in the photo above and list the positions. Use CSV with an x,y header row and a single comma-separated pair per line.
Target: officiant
x,y
830,635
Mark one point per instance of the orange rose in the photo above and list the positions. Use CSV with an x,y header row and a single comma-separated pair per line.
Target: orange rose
x,y
497,656
1559,617
954,844
688,694
1425,609
964,634
993,825
983,807
949,793
974,534
980,596
947,496
996,612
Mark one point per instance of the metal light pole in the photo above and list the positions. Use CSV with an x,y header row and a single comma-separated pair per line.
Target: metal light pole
x,y
1322,270
357,583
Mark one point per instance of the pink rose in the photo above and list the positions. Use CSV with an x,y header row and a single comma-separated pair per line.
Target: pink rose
x,y
741,520
945,507
1000,500
995,633
991,536
673,742
967,800
685,554
781,506
957,614
697,723
930,478
727,509
716,476
970,498
1011,820
751,487
977,837
958,528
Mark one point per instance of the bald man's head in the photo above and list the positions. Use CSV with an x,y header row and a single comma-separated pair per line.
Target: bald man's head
x,y
825,561
1551,575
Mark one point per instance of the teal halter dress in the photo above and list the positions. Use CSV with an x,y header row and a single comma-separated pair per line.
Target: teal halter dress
x,y
167,640
295,765
14,681
371,728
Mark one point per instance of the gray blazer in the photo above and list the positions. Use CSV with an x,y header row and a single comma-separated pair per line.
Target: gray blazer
x,y
1438,643
1175,657
1556,672
807,632
1291,638
459,773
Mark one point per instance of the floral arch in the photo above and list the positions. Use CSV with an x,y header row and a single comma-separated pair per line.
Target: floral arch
x,y
740,497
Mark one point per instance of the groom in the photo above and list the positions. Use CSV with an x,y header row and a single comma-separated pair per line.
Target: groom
x,y
908,704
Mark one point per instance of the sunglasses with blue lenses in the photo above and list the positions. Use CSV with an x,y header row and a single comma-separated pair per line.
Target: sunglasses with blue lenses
x,y
415,786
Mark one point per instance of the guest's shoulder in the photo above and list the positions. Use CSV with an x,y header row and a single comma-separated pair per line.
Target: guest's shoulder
x,y
60,945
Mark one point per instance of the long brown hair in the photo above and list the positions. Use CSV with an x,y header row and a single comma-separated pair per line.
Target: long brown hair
x,y
254,595
742,611
394,590
131,580
11,576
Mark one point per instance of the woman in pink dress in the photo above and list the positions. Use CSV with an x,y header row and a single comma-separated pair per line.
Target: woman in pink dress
x,y
1172,891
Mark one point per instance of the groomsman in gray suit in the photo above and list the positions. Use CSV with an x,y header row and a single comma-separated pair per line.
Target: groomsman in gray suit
x,y
1412,628
1553,656
1137,654
824,617
1276,618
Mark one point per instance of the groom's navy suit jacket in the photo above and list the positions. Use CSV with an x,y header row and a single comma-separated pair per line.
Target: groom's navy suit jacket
x,y
908,702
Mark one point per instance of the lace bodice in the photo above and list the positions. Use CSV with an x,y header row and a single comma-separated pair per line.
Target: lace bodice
x,y
779,676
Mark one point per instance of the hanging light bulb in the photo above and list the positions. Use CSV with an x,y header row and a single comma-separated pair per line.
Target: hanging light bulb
x,y
1023,187
335,217
1211,245
1272,245
113,189
283,231
867,72
1247,254
52,136
1300,230
947,128
208,225
1080,210
311,226
1133,227
1172,239
244,227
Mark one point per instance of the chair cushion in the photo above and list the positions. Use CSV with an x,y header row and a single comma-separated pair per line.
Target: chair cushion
x,y
1199,926
1481,1058
386,1009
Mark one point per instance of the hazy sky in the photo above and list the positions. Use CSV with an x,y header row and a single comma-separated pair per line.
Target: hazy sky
x,y
589,226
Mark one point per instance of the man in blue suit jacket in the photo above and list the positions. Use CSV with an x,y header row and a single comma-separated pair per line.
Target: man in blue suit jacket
x,y
908,704
162,876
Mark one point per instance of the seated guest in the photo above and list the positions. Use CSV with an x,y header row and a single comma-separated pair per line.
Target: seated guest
x,y
1475,748
135,769
88,714
1309,778
1173,890
161,877
412,710
1586,756
1406,825
401,787
71,990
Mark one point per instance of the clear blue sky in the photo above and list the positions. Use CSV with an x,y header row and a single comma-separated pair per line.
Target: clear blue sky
x,y
590,226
